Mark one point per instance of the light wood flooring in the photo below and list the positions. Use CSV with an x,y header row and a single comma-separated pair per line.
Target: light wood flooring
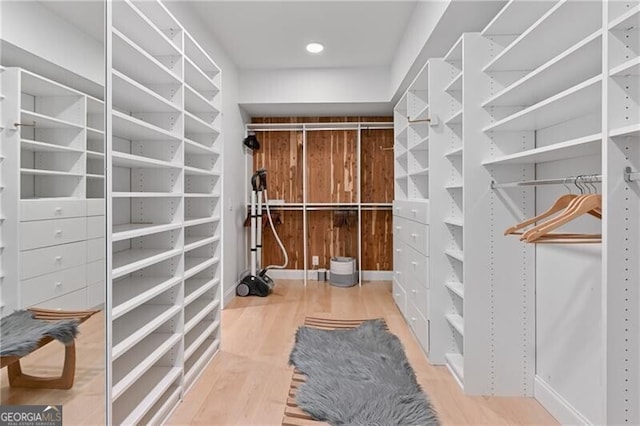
x,y
84,404
248,380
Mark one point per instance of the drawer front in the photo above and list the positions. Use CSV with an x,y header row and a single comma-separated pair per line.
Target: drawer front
x,y
417,267
95,207
399,297
51,209
69,302
52,259
45,233
418,295
95,249
399,260
45,287
95,227
412,233
95,272
95,296
413,210
419,325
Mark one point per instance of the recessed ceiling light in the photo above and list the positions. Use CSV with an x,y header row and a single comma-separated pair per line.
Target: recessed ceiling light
x,y
315,47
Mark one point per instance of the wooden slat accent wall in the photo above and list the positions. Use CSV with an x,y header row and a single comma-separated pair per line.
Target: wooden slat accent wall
x,y
377,165
327,240
331,166
377,240
281,154
290,232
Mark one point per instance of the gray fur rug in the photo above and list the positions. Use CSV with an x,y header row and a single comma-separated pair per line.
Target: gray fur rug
x,y
20,332
358,377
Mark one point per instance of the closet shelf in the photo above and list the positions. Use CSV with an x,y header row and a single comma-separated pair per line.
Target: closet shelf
x,y
195,102
201,195
153,384
95,134
130,21
454,55
576,64
196,367
628,68
147,319
131,260
455,254
455,362
456,119
456,322
94,176
196,287
576,101
36,85
131,292
423,145
454,153
402,133
198,80
515,17
147,194
42,121
422,114
626,131
195,171
193,265
39,172
629,19
194,124
92,155
421,172
165,404
202,313
203,334
191,243
455,85
122,159
524,52
191,147
132,96
142,357
133,230
35,146
131,128
198,56
454,186
454,221
456,288
584,146
135,62
192,221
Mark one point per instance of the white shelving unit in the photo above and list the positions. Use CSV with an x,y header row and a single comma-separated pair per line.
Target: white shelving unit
x,y
51,185
166,223
411,285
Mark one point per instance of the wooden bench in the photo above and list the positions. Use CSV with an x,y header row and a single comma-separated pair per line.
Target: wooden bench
x,y
65,381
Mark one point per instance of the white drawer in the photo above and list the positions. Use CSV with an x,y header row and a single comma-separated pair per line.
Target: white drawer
x,y
399,260
69,302
418,295
417,267
414,210
95,272
45,287
95,227
52,259
419,325
399,297
95,207
95,249
45,233
95,296
51,209
412,233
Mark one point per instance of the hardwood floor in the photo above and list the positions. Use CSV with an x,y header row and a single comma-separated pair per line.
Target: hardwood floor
x,y
84,404
248,381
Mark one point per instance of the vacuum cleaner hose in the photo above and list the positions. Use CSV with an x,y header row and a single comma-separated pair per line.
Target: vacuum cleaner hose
x,y
273,228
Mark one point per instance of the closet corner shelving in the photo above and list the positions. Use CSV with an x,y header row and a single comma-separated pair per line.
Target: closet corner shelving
x,y
166,188
411,285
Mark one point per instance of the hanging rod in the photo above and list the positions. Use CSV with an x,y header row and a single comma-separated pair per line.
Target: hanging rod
x,y
558,181
382,148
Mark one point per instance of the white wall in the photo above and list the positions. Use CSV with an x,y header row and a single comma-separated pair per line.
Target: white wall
x,y
29,29
235,249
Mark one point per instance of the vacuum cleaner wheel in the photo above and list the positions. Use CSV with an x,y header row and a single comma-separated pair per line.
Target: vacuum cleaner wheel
x,y
242,290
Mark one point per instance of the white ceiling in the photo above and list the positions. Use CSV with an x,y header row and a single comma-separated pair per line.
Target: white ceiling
x,y
273,34
87,15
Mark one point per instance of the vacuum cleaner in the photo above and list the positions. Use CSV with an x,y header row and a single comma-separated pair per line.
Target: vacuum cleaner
x,y
258,283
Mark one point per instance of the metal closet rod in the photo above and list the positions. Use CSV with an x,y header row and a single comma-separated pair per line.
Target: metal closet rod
x,y
558,181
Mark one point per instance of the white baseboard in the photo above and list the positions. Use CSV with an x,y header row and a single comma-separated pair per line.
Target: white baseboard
x,y
228,296
555,404
298,274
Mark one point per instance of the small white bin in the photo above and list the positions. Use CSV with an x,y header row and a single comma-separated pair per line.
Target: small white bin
x,y
343,271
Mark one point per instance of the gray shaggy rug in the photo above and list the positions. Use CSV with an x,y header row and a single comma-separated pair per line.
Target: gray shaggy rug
x,y
20,332
359,376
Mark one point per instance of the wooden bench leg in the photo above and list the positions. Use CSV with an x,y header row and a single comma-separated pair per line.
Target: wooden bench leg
x,y
65,381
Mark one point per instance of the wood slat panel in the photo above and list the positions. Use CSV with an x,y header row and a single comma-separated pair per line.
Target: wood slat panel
x,y
377,165
331,166
325,240
281,154
377,240
290,232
